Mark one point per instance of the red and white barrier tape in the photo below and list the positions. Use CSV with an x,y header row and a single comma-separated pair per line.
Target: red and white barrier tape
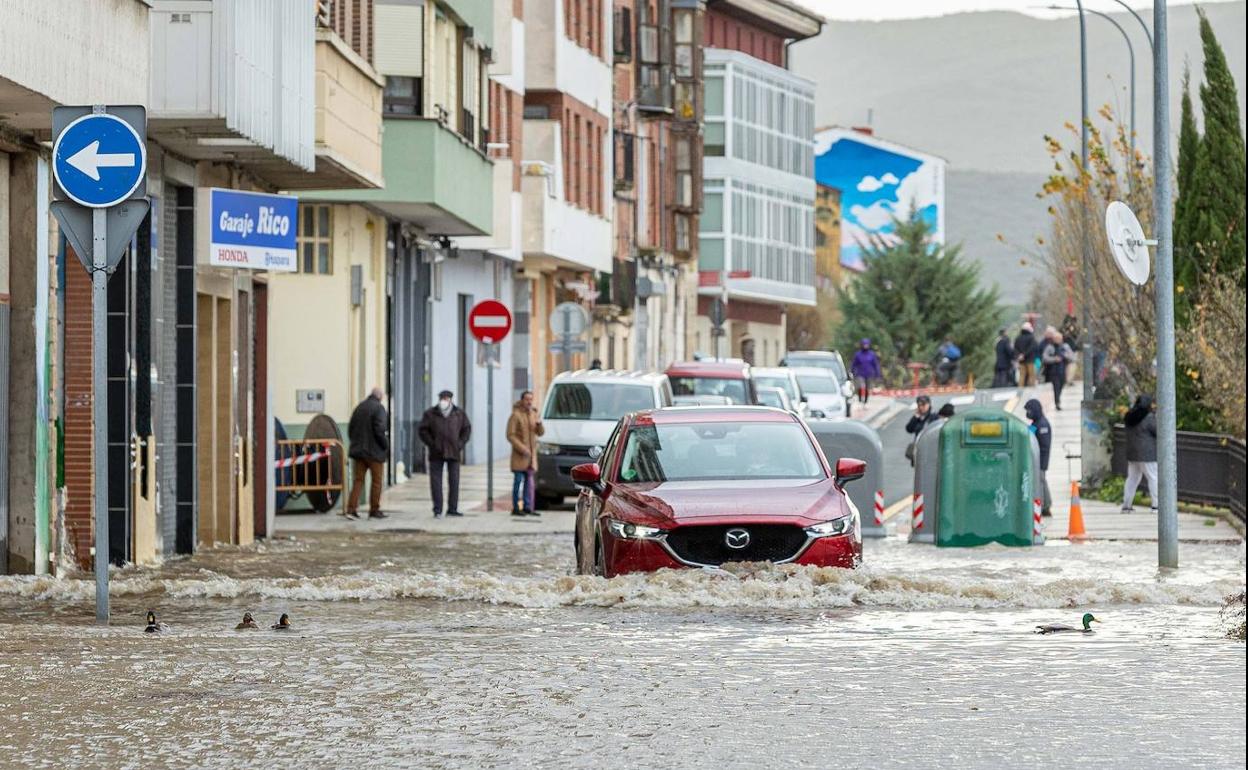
x,y
879,507
287,462
917,522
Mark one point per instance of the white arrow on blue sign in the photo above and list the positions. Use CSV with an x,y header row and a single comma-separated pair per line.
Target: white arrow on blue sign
x,y
99,160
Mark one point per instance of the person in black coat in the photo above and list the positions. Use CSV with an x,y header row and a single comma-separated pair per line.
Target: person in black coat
x,y
445,429
1043,432
1141,425
369,434
1003,371
1025,352
922,417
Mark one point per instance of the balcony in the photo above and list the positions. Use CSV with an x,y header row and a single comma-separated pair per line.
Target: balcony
x,y
233,80
556,233
348,122
554,63
434,179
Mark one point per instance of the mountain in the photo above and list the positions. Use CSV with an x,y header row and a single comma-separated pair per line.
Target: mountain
x,y
981,90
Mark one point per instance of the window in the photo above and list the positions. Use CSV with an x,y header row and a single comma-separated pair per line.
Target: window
x,y
623,31
718,451
401,96
597,401
536,112
316,239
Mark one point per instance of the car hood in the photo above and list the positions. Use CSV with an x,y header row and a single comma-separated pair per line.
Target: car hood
x,y
577,432
825,401
676,502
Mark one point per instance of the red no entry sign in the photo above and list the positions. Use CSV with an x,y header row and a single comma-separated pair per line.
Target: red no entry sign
x,y
489,321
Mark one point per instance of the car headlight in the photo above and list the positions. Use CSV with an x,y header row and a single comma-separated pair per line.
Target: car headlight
x,y
630,531
842,526
548,449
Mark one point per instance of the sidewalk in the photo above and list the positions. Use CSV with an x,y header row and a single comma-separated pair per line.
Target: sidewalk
x,y
1101,520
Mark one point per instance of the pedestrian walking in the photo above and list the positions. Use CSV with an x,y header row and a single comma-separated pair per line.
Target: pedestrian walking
x,y
1003,371
1056,356
922,417
1025,353
865,368
1043,432
947,357
369,434
523,428
445,429
1141,426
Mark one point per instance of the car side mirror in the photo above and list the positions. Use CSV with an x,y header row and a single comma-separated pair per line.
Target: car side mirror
x,y
848,469
588,476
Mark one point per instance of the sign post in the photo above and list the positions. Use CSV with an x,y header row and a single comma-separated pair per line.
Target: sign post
x,y
99,163
490,323
717,314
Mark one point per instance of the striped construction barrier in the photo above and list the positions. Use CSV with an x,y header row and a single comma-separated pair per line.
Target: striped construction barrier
x,y
1037,528
916,521
879,507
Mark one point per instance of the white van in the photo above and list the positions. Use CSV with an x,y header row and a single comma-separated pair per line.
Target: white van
x,y
579,413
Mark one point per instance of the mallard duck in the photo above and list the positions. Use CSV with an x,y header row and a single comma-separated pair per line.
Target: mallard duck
x,y
1058,628
154,627
282,624
248,624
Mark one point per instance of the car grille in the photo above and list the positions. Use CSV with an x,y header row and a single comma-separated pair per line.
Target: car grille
x,y
705,544
574,451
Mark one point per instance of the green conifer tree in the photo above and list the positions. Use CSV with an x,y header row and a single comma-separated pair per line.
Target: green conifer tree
x,y
1189,146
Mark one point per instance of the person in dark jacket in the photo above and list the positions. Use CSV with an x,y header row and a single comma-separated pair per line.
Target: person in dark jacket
x,y
445,429
1025,352
1056,356
1141,426
369,434
1003,371
922,417
864,368
1043,432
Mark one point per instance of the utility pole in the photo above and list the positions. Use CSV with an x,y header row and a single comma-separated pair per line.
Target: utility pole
x,y
1167,453
1086,441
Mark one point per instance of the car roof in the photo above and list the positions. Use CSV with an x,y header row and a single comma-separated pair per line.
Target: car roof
x,y
770,371
720,369
812,371
610,377
810,353
683,415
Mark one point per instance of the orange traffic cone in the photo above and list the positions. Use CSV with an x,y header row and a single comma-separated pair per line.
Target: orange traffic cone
x,y
1076,531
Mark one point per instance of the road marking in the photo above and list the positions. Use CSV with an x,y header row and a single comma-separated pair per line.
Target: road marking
x,y
962,400
897,507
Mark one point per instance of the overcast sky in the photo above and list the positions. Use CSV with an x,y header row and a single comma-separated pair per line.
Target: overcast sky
x,y
909,9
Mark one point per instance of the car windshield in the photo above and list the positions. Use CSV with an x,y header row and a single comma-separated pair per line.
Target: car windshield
x,y
597,401
718,451
771,397
710,386
783,383
812,383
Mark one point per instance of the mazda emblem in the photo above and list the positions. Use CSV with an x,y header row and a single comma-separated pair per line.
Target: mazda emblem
x,y
737,539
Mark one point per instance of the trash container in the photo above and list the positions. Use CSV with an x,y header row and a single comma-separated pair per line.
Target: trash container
x,y
852,438
926,502
987,480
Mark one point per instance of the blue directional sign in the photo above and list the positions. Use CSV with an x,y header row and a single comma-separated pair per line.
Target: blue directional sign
x,y
99,160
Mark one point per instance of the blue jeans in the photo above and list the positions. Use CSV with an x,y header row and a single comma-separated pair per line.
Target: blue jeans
x,y
523,480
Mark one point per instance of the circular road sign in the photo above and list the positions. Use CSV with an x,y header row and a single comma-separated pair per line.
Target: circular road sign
x,y
489,321
568,319
1127,242
99,160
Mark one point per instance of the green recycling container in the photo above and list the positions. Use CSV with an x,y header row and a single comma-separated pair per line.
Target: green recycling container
x,y
986,479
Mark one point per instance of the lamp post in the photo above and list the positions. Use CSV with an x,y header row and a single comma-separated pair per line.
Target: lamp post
x,y
1143,26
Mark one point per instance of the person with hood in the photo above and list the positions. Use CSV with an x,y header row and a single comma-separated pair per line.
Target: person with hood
x,y
865,368
523,428
445,429
1043,432
1141,426
369,434
1003,370
945,412
1057,354
1024,352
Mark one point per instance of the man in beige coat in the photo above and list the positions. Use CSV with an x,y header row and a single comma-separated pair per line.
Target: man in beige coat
x,y
523,428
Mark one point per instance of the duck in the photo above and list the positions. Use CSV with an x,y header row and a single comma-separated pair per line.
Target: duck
x,y
282,624
153,627
1058,628
248,624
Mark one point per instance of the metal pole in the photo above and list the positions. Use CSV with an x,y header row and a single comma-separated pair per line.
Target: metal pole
x,y
1143,26
1167,454
489,425
566,339
99,405
1083,223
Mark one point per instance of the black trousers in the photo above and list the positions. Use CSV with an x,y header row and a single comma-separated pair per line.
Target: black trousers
x,y
1058,381
452,480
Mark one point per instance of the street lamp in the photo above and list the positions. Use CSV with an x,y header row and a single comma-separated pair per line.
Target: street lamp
x,y
1143,26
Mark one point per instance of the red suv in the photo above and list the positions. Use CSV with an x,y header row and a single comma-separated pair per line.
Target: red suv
x,y
730,380
702,486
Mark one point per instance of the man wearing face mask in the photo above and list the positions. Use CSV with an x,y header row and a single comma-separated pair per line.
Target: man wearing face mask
x,y
445,429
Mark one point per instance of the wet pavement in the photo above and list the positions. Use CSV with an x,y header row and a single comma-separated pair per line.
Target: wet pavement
x,y
416,649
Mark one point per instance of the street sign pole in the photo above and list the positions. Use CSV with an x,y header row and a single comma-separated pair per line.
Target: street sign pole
x,y
566,339
99,405
490,349
490,323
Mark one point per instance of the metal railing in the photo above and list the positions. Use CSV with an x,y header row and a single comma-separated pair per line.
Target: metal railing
x,y
1211,468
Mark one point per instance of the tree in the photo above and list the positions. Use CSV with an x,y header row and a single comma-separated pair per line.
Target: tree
x,y
914,294
1213,204
1189,143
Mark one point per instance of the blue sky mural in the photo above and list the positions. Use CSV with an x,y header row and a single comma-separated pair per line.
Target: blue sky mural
x,y
878,181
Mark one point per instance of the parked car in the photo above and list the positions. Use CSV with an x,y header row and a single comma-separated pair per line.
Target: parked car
x,y
823,359
822,392
712,378
700,487
779,377
776,398
580,411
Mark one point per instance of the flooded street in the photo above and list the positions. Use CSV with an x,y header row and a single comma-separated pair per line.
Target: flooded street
x,y
472,651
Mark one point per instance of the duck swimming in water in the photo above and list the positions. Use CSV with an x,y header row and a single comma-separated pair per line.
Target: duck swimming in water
x,y
248,624
282,624
152,626
1058,628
